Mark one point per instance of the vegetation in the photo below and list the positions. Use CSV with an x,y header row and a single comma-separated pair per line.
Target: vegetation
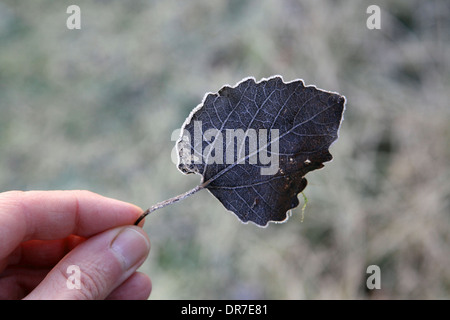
x,y
95,109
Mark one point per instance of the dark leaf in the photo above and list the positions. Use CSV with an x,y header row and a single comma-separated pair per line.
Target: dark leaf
x,y
254,143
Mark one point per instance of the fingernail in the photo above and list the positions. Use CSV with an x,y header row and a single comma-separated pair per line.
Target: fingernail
x,y
130,246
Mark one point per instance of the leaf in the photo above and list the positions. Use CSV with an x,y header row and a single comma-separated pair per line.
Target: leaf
x,y
254,143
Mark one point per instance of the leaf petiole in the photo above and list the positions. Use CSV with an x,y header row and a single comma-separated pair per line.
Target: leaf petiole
x,y
164,203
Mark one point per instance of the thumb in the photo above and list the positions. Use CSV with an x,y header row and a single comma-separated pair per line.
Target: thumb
x,y
93,269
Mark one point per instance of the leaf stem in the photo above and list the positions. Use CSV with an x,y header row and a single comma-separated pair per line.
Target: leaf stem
x,y
164,203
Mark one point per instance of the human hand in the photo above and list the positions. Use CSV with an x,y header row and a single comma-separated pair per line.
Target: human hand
x,y
42,233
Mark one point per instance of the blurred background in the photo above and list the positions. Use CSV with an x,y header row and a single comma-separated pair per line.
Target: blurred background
x,y
95,109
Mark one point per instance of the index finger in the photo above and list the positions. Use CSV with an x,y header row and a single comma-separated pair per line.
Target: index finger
x,y
49,215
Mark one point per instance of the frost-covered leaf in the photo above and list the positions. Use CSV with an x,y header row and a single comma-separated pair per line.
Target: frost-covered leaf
x,y
254,143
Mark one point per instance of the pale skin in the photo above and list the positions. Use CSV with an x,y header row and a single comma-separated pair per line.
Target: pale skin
x,y
42,233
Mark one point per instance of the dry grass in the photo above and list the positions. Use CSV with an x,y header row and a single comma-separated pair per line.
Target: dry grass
x,y
95,109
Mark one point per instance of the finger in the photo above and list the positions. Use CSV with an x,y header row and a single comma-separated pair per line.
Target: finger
x,y
57,214
137,287
43,253
102,263
16,283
